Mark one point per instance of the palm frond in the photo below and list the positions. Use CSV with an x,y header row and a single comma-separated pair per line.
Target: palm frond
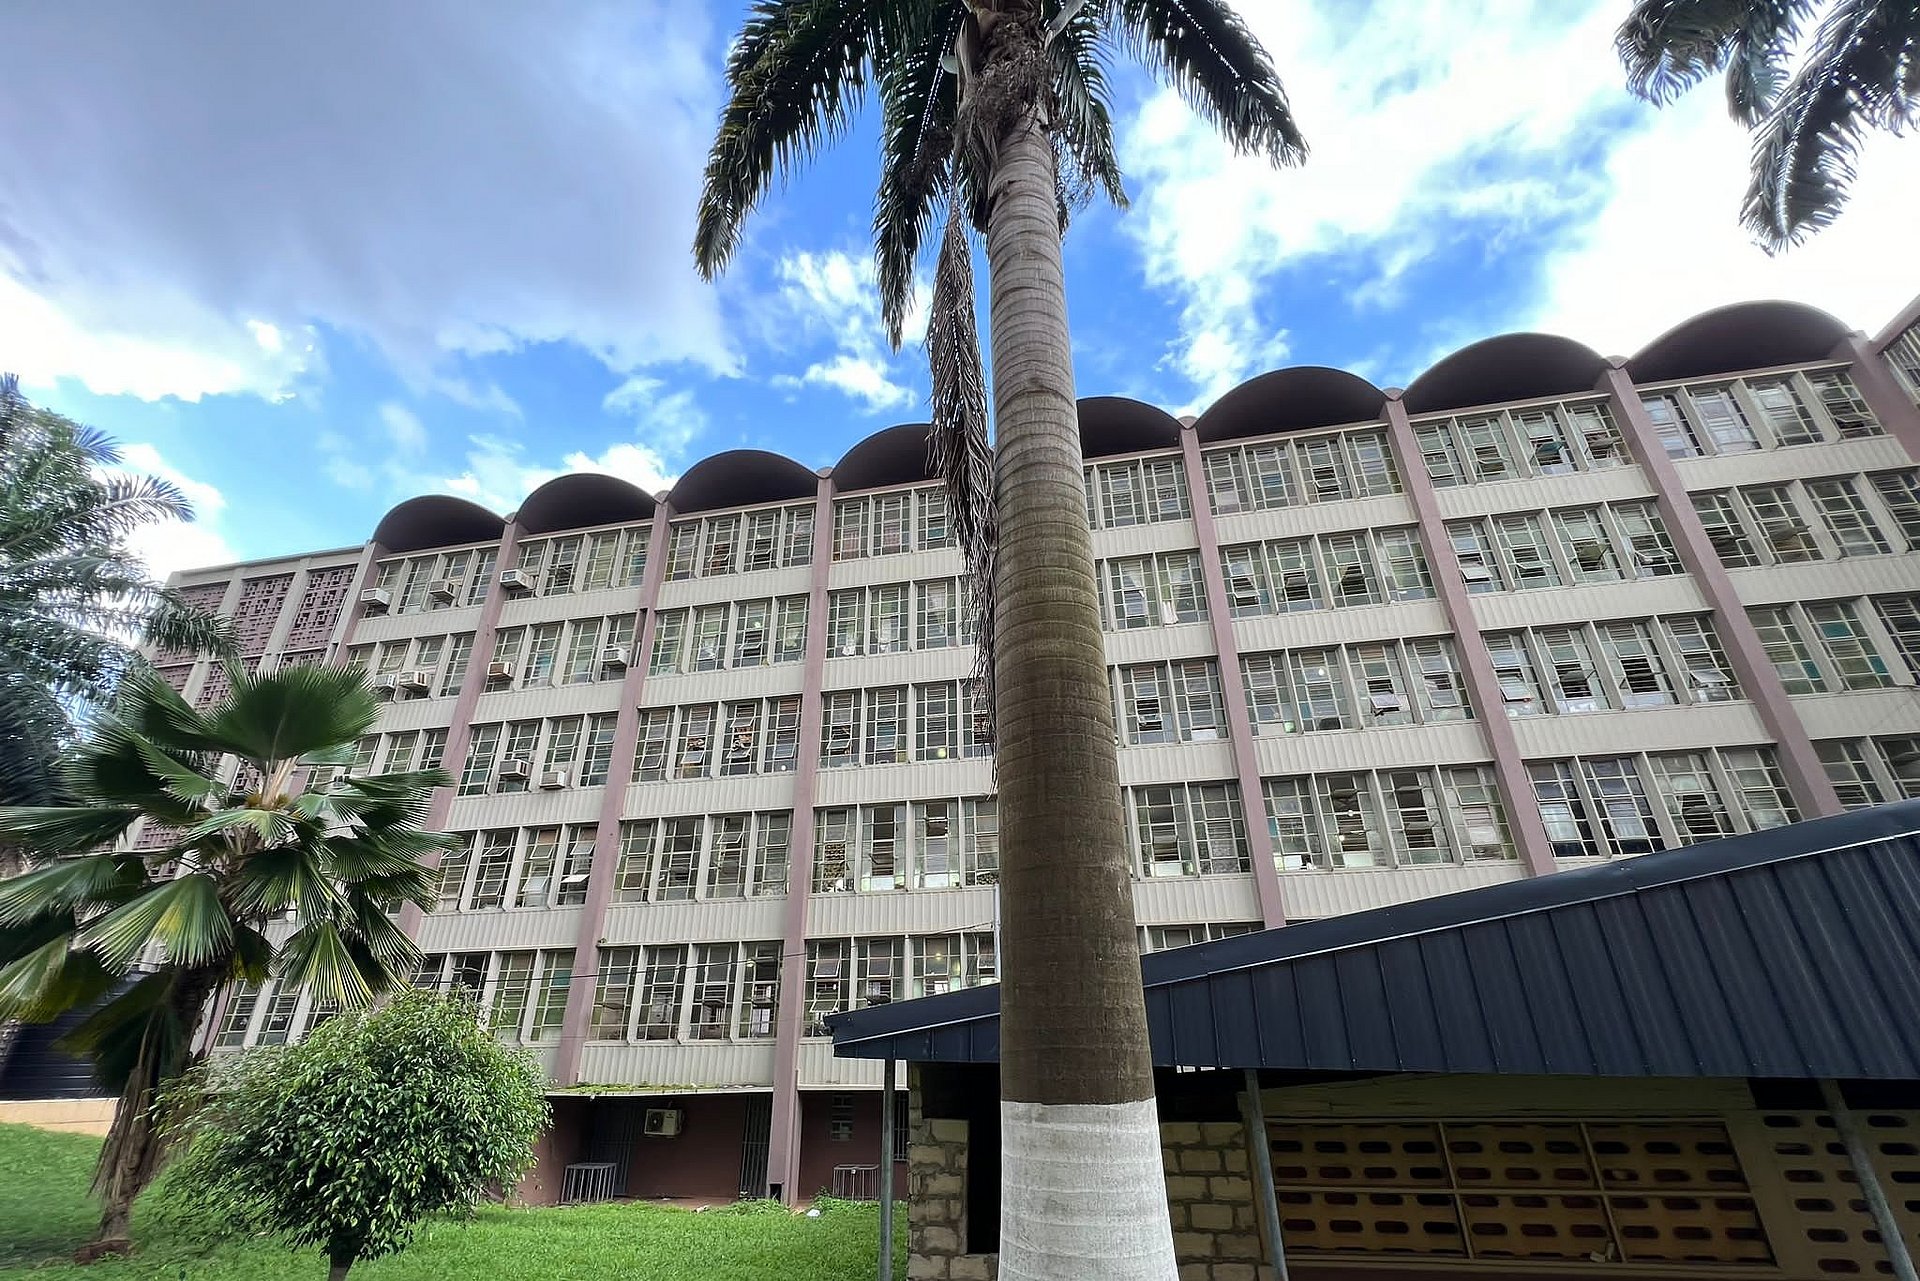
x,y
796,77
55,830
1863,72
67,885
53,978
1669,46
1204,50
269,881
33,732
317,956
1083,114
958,448
175,623
918,98
183,915
291,713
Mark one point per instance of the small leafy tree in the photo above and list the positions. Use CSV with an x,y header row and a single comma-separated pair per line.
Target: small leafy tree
x,y
347,1140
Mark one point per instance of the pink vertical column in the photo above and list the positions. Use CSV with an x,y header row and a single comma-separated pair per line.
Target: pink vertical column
x,y
783,1139
1246,767
606,833
461,727
350,610
1483,688
1882,392
1751,666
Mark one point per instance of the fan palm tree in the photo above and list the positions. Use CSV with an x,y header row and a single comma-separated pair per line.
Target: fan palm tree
x,y
997,110
232,841
1858,71
72,596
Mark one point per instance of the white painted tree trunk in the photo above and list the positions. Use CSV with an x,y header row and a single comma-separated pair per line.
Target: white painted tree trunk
x,y
1082,1195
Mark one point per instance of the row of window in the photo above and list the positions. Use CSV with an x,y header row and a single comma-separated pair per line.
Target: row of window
x,y
731,991
576,652
1332,571
740,542
1903,353
583,562
1872,771
895,723
897,617
435,580
273,1014
1353,686
1848,656
1517,551
928,845
552,753
1138,491
521,996
890,524
1756,525
1614,665
1772,411
1612,806
747,633
517,867
1541,440
1301,469
1386,818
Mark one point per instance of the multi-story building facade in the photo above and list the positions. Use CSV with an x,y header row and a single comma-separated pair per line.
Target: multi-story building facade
x,y
720,772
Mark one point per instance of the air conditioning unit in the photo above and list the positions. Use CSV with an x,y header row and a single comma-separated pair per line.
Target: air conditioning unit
x,y
446,590
515,582
376,600
614,656
419,682
514,767
386,684
662,1123
500,669
553,780
764,994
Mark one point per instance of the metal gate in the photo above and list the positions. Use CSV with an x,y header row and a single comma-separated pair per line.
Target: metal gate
x,y
756,1134
613,1128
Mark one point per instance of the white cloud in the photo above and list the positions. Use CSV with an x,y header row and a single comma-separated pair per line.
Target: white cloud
x,y
1447,112
1413,120
168,546
405,431
667,420
499,476
208,182
832,294
1666,245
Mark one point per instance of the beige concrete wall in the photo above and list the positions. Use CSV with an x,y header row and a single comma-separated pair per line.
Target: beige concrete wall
x,y
71,1116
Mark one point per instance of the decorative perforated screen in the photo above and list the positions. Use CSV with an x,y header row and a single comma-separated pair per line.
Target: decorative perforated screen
x,y
1600,1192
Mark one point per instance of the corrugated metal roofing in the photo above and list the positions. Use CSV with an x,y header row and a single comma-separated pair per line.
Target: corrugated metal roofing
x,y
1793,952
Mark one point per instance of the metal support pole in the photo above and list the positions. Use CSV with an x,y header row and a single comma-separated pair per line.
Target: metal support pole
x,y
1261,1155
886,1174
1861,1156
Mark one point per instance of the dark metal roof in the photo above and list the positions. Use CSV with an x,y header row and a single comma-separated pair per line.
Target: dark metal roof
x,y
1793,953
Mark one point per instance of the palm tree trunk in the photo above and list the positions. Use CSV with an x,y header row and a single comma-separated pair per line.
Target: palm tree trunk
x,y
1082,1191
134,1147
337,1270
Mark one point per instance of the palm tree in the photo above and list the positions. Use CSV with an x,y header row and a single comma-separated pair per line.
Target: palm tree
x,y
998,110
72,596
1859,71
143,934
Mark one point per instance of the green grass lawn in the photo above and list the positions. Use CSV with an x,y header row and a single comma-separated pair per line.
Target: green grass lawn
x,y
45,1213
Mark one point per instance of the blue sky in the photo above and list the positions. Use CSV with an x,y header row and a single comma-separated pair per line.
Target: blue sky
x,y
309,262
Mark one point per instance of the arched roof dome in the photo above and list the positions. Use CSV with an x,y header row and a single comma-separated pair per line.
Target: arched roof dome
x,y
1112,425
1744,335
582,500
437,520
1292,399
741,478
1507,367
891,456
